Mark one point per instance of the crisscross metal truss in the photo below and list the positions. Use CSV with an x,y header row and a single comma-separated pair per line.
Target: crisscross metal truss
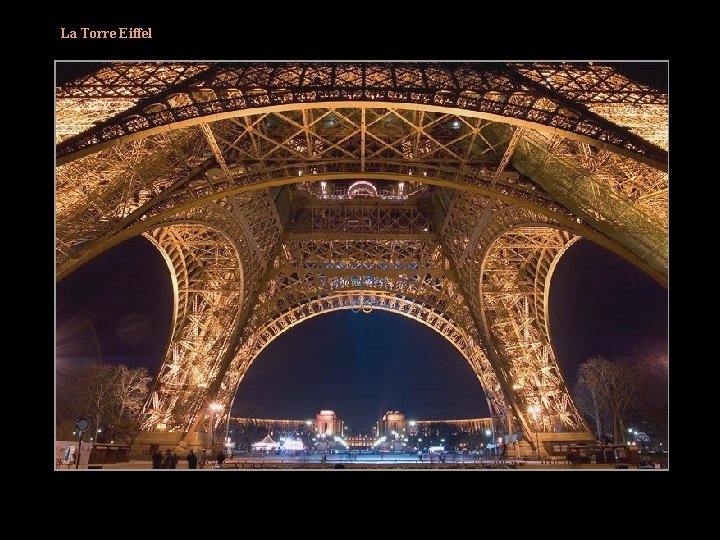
x,y
514,296
213,257
409,277
119,87
501,90
111,194
508,256
371,217
208,289
446,193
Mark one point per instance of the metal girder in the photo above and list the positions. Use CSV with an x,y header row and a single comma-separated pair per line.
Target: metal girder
x,y
591,82
211,267
117,189
515,280
85,102
604,194
310,277
190,160
368,218
103,194
505,276
208,293
409,299
497,90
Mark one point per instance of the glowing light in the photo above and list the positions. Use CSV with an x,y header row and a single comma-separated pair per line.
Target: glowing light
x,y
291,444
629,430
488,433
455,124
308,422
216,407
412,422
362,187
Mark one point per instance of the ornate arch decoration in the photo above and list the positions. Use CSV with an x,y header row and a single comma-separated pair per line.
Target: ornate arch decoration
x,y
423,310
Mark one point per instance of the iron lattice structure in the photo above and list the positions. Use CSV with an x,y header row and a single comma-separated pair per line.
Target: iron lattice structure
x,y
441,192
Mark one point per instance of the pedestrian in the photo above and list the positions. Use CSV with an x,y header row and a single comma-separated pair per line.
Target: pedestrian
x,y
192,460
173,460
167,461
157,459
220,457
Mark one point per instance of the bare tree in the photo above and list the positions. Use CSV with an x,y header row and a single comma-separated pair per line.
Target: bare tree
x,y
587,396
112,396
606,387
622,381
96,393
131,391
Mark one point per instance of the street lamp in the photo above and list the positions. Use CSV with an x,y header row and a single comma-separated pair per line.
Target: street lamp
x,y
214,408
534,410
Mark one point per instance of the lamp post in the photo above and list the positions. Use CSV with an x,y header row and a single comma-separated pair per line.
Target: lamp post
x,y
214,408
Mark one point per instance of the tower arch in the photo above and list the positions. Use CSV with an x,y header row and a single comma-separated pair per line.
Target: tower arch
x,y
514,161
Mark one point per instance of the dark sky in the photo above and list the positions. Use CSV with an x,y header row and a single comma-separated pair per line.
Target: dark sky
x,y
117,309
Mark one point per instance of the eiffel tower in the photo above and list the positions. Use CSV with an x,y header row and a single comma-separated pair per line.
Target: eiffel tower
x,y
443,192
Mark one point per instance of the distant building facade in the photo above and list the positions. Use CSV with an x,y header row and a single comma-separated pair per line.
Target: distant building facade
x,y
360,442
327,423
468,425
391,421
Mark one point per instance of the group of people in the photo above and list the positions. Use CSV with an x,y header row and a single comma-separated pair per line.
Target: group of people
x,y
170,459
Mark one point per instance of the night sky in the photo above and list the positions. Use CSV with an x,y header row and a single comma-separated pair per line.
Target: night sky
x,y
117,309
